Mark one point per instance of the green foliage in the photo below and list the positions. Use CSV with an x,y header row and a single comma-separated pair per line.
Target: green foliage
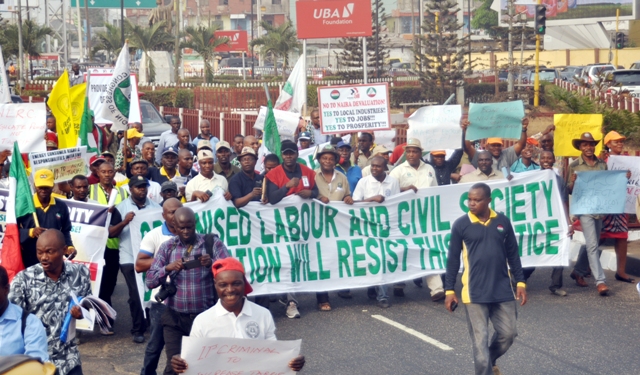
x,y
32,35
171,97
148,39
477,89
279,42
35,93
312,96
485,18
203,40
109,40
407,94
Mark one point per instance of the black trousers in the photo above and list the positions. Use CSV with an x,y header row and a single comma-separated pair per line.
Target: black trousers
x,y
175,325
135,307
109,274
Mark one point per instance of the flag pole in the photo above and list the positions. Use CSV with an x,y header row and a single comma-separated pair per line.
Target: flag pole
x,y
266,91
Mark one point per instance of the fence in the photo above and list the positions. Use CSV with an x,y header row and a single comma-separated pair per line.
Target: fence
x,y
620,102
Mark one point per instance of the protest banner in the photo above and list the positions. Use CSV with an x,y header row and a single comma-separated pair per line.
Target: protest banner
x,y
570,127
24,123
100,79
354,108
502,120
305,246
599,192
632,164
287,122
437,127
222,355
64,163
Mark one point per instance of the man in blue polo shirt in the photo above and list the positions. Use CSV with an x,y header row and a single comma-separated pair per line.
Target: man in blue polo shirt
x,y
486,241
344,166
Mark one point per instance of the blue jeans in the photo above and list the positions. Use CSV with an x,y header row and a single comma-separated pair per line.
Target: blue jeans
x,y
156,340
590,254
503,317
381,291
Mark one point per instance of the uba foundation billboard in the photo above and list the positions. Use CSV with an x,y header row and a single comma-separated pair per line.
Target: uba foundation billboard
x,y
568,11
333,18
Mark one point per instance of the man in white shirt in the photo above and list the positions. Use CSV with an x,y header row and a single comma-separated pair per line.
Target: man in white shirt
x,y
415,174
233,316
148,247
376,188
204,184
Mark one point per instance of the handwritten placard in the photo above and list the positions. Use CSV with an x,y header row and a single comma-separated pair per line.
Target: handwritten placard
x,y
599,192
503,120
437,127
286,121
632,164
25,123
570,127
220,355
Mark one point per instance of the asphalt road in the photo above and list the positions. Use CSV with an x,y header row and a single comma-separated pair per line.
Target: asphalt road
x,y
579,334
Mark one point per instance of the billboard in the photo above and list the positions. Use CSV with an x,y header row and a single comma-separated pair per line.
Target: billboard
x,y
567,11
237,41
333,18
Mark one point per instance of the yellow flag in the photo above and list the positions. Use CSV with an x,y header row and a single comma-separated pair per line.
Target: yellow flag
x,y
66,106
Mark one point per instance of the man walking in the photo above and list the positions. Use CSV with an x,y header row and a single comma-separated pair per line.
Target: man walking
x,y
486,241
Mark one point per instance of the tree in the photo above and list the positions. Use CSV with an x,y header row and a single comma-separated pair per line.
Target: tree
x,y
204,41
110,41
350,58
442,58
279,42
485,18
32,35
148,39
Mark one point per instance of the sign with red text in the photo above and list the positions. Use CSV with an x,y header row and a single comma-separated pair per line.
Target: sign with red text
x,y
25,123
237,41
64,163
354,108
221,355
333,19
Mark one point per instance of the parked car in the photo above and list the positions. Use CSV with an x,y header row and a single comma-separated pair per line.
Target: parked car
x,y
568,73
153,123
635,65
592,74
236,62
547,75
621,81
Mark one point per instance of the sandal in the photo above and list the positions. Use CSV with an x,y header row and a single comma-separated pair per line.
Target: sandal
x,y
325,306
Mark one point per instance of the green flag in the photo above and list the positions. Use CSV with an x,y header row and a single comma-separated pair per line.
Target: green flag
x,y
86,130
271,136
24,202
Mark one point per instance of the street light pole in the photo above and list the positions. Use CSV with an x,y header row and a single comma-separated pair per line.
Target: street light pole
x,y
253,68
377,57
510,71
20,50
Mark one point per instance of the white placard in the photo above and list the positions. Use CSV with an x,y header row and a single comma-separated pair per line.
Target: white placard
x,y
354,108
437,127
25,123
628,163
286,121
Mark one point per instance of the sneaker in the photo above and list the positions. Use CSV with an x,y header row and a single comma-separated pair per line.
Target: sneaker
x,y
398,292
292,311
383,303
559,292
138,339
371,292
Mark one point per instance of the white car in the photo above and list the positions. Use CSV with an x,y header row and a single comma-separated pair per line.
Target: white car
x,y
620,81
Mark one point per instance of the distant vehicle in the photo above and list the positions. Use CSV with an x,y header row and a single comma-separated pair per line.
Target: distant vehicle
x,y
43,72
568,73
318,73
16,99
238,72
620,81
592,74
547,75
236,62
635,65
153,123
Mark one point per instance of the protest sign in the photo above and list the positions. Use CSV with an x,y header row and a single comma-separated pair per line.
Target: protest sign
x,y
222,355
354,108
570,127
64,163
437,127
24,123
4,195
503,120
287,121
100,79
628,163
599,192
305,246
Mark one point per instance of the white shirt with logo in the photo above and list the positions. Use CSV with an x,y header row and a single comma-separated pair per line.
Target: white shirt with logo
x,y
423,177
369,187
253,322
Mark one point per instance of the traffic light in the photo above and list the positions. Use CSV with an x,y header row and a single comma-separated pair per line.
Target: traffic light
x,y
619,40
541,19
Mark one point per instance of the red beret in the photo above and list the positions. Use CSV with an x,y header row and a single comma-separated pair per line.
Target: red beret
x,y
231,264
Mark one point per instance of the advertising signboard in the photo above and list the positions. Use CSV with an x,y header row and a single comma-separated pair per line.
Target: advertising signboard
x,y
354,108
237,41
333,18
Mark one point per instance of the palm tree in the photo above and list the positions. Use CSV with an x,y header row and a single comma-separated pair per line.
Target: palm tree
x,y
109,40
148,39
204,41
32,35
279,42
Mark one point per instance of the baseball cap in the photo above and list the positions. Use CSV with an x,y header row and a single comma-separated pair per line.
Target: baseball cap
x,y
343,144
138,160
204,143
137,181
305,135
247,151
168,186
134,133
170,150
492,141
205,154
95,159
231,264
438,152
107,153
288,145
43,178
223,144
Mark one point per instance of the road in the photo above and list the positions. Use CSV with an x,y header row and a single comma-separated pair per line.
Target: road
x,y
579,334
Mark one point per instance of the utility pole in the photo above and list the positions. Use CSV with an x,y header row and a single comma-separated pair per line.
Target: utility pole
x,y
253,68
510,70
421,10
86,15
377,36
79,31
20,49
176,46
615,60
121,22
258,8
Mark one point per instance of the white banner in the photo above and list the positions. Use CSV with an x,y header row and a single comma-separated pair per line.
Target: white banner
x,y
229,356
305,246
100,79
64,163
354,108
287,121
25,123
628,163
437,127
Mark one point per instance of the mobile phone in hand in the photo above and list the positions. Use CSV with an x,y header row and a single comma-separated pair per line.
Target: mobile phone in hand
x,y
454,306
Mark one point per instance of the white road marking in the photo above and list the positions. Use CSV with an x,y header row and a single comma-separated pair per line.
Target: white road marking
x,y
413,332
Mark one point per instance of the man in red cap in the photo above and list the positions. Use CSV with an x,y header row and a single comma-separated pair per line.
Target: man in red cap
x,y
234,315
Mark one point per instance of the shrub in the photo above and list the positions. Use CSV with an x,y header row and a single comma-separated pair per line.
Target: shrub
x,y
170,97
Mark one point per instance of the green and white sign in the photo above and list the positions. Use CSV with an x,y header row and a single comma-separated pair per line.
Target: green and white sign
x,y
128,4
306,246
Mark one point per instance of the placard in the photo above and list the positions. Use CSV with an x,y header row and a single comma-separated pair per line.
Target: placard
x,y
64,163
502,120
100,79
628,163
24,123
354,108
437,127
570,127
599,192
